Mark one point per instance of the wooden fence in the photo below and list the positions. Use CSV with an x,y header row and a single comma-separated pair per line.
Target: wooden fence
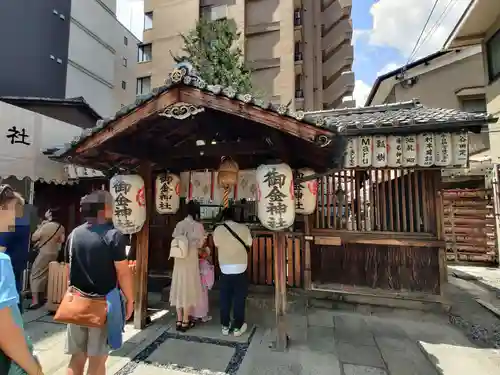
x,y
260,259
393,200
469,225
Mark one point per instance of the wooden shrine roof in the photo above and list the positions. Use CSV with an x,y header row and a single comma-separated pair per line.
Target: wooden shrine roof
x,y
402,117
160,127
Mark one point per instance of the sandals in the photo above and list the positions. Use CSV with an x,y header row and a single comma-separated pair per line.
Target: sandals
x,y
185,326
35,306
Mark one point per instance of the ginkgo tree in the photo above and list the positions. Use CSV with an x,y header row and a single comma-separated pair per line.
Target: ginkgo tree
x,y
212,49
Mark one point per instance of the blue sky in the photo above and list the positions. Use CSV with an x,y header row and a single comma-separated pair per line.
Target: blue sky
x,y
385,33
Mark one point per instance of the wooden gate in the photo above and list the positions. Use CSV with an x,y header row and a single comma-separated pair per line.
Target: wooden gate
x,y
469,225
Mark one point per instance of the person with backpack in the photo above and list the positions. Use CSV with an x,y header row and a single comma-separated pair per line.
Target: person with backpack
x,y
233,241
185,291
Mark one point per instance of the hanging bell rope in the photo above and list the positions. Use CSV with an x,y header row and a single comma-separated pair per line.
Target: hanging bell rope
x,y
225,197
227,177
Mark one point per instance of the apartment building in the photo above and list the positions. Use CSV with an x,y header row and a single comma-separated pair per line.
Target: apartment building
x,y
300,51
65,49
480,26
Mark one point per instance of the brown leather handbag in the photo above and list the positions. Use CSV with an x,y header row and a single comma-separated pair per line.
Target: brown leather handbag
x,y
80,308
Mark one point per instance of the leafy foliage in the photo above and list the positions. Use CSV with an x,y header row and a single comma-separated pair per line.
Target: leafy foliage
x,y
212,48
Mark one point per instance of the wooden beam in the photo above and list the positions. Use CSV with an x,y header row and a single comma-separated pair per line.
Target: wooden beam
x,y
142,250
287,125
280,300
130,121
307,252
145,151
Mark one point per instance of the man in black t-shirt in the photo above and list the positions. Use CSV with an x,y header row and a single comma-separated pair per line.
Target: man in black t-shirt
x,y
98,264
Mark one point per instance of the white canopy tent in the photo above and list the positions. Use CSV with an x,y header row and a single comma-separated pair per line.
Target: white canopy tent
x,y
24,135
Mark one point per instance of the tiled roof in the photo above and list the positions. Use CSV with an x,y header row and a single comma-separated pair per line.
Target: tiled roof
x,y
348,121
183,75
400,117
76,102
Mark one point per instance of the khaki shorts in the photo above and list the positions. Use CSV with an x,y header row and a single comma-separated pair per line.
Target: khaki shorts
x,y
93,341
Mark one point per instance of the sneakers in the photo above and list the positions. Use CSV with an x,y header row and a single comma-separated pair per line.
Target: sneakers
x,y
225,331
242,330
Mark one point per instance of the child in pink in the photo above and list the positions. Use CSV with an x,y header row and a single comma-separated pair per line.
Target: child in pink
x,y
207,281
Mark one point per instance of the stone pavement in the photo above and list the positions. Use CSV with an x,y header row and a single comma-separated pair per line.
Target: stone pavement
x,y
322,342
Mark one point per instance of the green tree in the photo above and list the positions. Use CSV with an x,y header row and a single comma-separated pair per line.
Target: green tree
x,y
212,48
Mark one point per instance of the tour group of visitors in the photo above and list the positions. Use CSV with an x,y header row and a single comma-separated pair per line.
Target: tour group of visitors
x,y
100,296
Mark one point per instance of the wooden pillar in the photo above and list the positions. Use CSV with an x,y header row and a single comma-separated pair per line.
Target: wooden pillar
x,y
280,301
307,252
443,271
142,248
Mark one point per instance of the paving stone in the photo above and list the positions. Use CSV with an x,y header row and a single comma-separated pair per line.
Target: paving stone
x,y
320,318
460,360
359,354
363,370
262,361
385,328
43,335
350,324
320,339
404,357
152,370
192,354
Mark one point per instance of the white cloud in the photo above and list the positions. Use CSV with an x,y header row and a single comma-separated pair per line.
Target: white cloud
x,y
388,68
358,34
131,14
398,23
361,92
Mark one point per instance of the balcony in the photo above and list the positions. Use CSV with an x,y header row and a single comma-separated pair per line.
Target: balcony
x,y
297,17
339,88
299,94
342,57
340,32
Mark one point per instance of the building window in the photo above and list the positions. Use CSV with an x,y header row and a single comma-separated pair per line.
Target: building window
x,y
124,85
297,17
148,20
298,51
145,53
125,40
475,104
214,13
299,93
143,85
493,56
124,62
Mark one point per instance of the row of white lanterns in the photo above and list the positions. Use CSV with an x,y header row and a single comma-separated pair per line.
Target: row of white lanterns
x,y
278,199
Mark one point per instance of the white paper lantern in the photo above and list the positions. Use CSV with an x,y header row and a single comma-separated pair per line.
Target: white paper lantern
x,y
167,193
306,193
379,158
460,142
351,153
425,147
409,150
394,151
275,196
129,211
365,150
443,151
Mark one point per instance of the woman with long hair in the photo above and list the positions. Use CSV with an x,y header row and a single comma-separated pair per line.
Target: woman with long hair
x,y
16,354
185,291
47,240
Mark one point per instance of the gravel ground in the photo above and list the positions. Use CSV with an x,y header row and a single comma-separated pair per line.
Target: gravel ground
x,y
480,325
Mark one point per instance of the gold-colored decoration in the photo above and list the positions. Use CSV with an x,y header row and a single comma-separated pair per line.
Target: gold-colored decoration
x,y
282,109
227,177
181,111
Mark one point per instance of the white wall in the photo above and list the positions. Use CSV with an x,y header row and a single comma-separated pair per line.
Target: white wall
x,y
96,51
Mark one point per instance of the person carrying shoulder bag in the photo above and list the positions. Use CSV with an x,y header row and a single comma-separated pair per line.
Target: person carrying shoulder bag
x,y
97,265
233,241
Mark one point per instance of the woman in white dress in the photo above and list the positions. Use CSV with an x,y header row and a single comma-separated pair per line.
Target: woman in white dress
x,y
185,291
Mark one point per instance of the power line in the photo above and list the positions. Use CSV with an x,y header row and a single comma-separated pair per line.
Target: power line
x,y
438,23
421,33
